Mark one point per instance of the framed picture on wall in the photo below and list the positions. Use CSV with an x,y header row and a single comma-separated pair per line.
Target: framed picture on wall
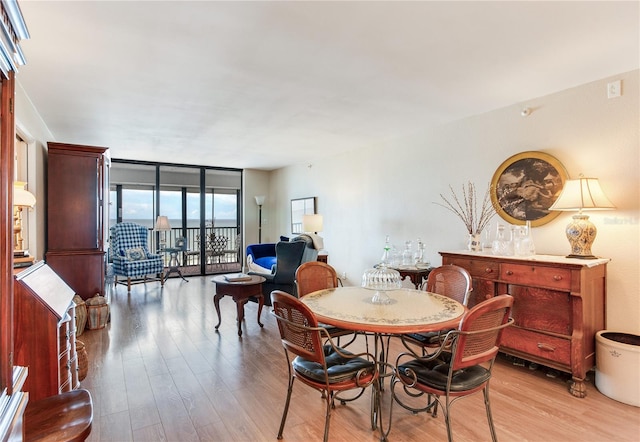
x,y
525,186
300,207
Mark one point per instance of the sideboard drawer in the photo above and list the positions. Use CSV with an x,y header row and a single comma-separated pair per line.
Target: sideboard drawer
x,y
477,268
523,274
538,344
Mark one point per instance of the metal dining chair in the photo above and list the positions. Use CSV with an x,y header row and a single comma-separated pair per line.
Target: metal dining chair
x,y
461,366
451,281
327,367
313,276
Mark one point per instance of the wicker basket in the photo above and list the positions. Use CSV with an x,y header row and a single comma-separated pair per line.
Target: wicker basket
x,y
83,360
81,314
97,312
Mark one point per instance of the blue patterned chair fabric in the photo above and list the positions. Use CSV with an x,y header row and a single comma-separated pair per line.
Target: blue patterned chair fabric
x,y
131,256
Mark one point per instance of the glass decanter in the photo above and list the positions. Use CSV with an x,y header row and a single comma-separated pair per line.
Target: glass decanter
x,y
407,254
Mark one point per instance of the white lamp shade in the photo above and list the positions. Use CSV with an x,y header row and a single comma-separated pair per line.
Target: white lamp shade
x,y
312,223
260,200
22,197
583,193
162,223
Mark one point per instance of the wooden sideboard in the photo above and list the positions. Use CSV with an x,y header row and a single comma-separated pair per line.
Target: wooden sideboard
x,y
559,305
44,332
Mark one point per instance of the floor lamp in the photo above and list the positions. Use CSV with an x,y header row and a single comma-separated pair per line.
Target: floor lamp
x,y
260,202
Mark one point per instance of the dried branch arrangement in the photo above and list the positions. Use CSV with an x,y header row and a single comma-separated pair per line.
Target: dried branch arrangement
x,y
474,220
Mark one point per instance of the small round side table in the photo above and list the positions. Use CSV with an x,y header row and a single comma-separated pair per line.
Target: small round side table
x,y
240,291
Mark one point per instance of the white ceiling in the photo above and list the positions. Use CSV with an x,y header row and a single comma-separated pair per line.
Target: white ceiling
x,y
268,84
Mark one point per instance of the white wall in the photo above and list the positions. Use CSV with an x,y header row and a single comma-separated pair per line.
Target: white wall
x,y
31,128
390,188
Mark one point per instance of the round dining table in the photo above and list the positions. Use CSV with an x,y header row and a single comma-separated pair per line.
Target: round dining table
x,y
405,311
408,311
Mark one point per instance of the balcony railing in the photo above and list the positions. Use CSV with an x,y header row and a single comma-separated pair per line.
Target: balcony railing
x,y
229,255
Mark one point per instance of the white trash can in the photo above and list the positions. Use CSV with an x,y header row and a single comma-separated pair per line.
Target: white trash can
x,y
618,366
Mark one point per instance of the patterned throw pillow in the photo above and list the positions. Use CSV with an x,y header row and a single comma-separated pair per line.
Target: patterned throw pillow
x,y
135,254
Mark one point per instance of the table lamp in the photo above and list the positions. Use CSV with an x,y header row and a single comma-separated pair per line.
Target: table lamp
x,y
578,195
21,198
312,223
162,225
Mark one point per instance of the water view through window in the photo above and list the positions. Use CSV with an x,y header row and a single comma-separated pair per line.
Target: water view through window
x,y
202,205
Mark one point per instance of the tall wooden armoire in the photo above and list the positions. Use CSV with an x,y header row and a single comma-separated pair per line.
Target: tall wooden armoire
x,y
77,191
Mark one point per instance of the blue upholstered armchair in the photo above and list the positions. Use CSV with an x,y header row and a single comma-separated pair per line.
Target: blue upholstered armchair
x,y
131,256
283,274
261,257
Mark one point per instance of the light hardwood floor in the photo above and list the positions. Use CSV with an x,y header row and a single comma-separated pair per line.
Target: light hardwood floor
x,y
159,371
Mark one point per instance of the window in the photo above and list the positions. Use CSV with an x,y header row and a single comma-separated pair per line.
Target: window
x,y
201,203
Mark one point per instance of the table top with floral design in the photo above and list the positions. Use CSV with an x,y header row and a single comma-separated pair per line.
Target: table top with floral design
x,y
410,311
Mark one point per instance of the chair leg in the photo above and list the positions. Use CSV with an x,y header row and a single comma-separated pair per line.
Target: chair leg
x,y
327,418
128,285
487,406
286,405
447,420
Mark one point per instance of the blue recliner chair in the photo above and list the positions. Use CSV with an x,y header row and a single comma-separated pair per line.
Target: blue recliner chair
x,y
131,256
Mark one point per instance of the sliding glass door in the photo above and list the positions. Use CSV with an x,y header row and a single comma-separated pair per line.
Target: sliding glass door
x,y
202,205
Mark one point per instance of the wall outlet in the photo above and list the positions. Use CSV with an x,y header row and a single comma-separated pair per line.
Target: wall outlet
x,y
614,89
344,276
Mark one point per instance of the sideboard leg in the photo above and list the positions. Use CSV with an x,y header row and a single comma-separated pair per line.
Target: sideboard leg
x,y
578,388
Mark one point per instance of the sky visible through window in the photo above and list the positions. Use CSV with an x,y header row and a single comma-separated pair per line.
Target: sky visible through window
x,y
138,206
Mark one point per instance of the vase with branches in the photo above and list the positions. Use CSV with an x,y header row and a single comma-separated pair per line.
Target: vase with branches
x,y
475,218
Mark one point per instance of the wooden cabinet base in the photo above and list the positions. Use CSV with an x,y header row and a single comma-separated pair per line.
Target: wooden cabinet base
x,y
82,270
